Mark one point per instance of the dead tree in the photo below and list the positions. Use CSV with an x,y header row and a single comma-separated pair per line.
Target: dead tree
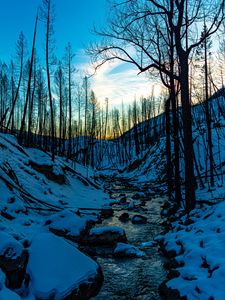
x,y
47,15
20,49
29,82
131,28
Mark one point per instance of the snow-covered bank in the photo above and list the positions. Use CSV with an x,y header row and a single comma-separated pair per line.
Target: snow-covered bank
x,y
150,164
57,269
31,172
197,242
30,182
38,196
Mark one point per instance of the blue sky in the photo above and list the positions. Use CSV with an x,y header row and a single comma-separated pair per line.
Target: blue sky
x,y
74,22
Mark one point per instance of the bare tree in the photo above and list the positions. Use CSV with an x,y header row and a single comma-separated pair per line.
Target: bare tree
x,y
69,71
29,80
47,14
20,51
133,37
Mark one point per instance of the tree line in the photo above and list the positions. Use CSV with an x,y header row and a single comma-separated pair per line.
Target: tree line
x,y
46,105
166,38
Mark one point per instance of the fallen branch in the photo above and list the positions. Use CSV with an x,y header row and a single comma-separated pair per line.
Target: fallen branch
x,y
28,196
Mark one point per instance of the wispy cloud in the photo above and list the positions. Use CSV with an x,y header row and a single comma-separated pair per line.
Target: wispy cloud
x,y
117,81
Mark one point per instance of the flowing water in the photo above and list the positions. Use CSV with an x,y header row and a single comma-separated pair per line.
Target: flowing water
x,y
134,278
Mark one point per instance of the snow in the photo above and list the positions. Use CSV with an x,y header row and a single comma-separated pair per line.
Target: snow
x,y
139,219
200,247
70,222
39,157
9,247
29,198
102,230
6,294
57,170
74,192
31,203
150,244
128,250
56,267
131,205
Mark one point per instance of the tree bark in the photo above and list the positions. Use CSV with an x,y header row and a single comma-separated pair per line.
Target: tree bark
x,y
187,124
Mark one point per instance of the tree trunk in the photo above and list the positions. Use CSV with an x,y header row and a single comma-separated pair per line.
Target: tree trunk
x,y
70,110
29,82
60,111
176,144
188,141
168,149
49,83
208,119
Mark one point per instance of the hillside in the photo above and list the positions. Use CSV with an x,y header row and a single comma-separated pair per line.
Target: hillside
x,y
150,165
38,197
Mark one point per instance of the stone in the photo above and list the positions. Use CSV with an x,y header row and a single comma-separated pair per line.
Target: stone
x,y
173,273
124,217
70,225
168,253
127,251
138,195
13,260
48,171
88,290
172,264
131,205
139,219
168,293
107,212
105,236
123,200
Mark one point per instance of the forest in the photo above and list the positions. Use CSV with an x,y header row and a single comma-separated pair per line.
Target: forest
x,y
114,190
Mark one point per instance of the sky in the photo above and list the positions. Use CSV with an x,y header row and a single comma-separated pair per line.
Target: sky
x,y
74,22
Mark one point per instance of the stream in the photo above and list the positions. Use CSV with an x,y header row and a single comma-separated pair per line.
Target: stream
x,y
134,278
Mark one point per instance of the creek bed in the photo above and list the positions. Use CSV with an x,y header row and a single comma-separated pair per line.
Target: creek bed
x,y
134,278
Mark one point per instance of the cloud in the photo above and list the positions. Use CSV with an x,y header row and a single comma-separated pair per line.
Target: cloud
x,y
117,81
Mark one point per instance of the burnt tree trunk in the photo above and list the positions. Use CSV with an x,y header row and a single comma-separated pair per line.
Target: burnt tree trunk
x,y
188,140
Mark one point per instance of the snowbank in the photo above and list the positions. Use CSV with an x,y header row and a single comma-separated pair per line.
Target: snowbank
x,y
38,195
70,222
200,248
9,247
57,268
31,192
